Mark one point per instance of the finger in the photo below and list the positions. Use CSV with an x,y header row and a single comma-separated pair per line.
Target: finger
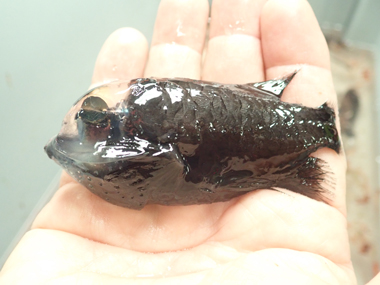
x,y
123,56
234,48
178,39
291,38
65,179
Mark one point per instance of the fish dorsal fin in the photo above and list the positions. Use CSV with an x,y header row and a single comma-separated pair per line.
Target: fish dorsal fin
x,y
271,88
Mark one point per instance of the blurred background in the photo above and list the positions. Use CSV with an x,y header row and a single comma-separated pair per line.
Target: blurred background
x,y
47,53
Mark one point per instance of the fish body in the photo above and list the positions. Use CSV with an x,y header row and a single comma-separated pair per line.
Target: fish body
x,y
182,142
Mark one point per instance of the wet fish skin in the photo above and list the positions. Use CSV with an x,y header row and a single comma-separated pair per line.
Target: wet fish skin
x,y
182,142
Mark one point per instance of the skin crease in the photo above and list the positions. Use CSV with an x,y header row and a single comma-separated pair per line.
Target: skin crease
x,y
264,237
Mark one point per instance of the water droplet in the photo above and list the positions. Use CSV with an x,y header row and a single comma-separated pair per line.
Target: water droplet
x,y
88,178
116,186
90,186
206,190
96,172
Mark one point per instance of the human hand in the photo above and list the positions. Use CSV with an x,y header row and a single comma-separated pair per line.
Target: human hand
x,y
264,237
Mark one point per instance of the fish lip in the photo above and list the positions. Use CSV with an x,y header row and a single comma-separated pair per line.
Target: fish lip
x,y
61,156
54,152
48,150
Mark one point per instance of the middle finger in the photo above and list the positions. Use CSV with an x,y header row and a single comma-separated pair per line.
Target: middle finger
x,y
234,49
178,38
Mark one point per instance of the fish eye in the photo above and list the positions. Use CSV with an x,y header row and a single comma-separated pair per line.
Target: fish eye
x,y
92,116
94,103
93,111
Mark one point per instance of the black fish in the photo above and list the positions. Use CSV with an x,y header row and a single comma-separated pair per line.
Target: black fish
x,y
182,141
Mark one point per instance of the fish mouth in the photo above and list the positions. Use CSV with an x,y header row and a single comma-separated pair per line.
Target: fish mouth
x,y
48,149
66,150
56,153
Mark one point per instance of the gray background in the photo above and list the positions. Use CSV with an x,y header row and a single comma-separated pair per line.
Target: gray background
x,y
47,53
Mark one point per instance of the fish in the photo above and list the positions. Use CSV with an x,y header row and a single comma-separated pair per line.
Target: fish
x,y
177,141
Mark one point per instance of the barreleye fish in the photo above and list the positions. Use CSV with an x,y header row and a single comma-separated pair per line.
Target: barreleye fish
x,y
182,142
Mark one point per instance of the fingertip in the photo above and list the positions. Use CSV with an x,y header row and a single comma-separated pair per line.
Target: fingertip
x,y
229,17
182,22
122,57
291,35
234,48
129,35
178,39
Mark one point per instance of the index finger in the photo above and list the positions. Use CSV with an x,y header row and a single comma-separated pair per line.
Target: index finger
x,y
122,56
178,38
234,48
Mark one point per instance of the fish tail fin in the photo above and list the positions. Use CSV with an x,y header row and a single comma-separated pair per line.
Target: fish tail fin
x,y
328,118
309,179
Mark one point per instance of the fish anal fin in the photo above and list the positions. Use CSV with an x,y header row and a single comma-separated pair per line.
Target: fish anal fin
x,y
309,179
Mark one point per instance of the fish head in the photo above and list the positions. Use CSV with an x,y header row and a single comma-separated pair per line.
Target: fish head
x,y
101,146
95,130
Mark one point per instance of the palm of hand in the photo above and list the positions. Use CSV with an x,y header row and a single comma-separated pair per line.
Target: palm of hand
x,y
264,237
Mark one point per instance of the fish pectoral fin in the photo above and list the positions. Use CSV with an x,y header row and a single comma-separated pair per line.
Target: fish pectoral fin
x,y
271,88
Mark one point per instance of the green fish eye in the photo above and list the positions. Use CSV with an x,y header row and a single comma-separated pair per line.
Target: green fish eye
x,y
94,103
93,111
92,116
